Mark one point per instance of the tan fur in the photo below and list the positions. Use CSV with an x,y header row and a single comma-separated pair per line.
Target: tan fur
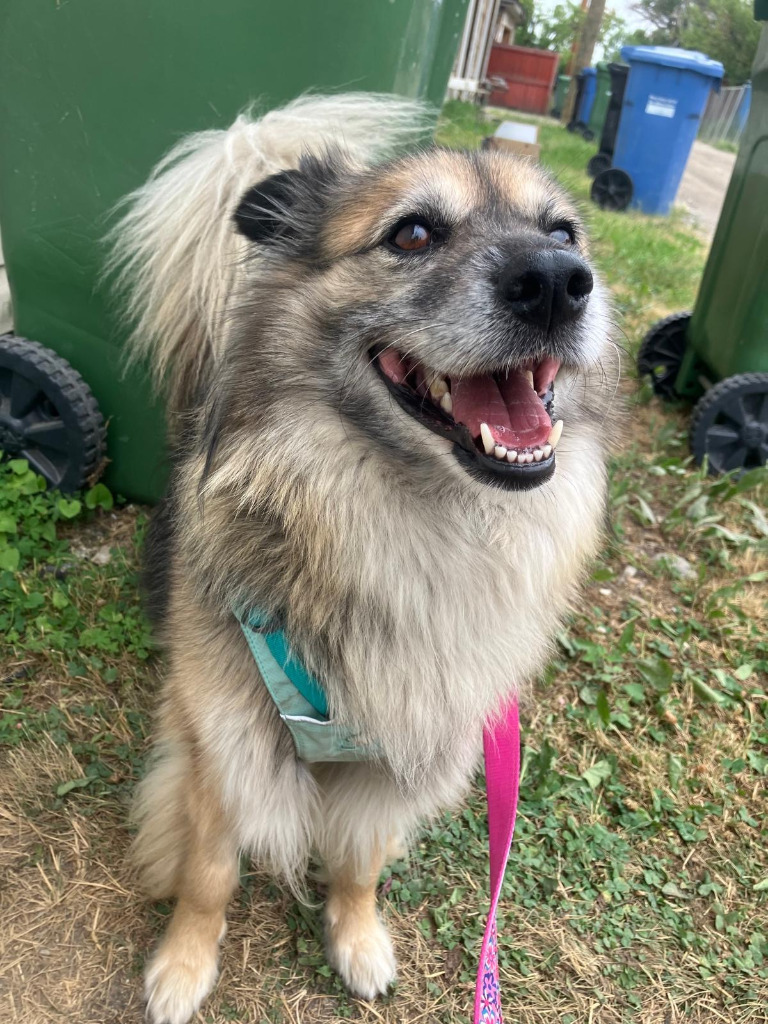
x,y
185,965
422,597
174,254
439,173
358,944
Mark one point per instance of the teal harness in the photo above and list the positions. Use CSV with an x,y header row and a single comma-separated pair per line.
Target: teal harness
x,y
299,698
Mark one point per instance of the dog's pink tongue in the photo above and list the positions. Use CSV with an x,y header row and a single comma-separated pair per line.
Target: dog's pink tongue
x,y
513,411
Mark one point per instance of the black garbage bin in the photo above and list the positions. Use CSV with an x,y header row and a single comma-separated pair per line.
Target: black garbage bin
x,y
574,123
603,159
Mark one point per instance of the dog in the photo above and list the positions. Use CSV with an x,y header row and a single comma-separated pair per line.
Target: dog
x,y
388,370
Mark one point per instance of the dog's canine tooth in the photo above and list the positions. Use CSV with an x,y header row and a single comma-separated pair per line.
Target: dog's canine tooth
x,y
512,456
547,449
538,454
438,388
488,443
555,433
529,376
500,451
446,403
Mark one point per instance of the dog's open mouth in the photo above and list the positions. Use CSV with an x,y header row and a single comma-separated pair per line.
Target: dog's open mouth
x,y
502,424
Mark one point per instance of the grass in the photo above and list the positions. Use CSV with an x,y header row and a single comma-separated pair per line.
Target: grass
x,y
725,146
638,884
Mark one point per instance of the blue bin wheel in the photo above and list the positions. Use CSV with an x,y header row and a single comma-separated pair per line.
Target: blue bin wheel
x,y
587,134
48,415
730,424
599,162
612,189
661,353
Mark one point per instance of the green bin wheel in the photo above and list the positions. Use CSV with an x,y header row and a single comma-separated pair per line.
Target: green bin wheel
x,y
571,126
48,415
612,190
661,353
730,424
598,163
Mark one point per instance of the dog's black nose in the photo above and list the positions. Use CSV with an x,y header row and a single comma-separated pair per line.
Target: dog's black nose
x,y
547,288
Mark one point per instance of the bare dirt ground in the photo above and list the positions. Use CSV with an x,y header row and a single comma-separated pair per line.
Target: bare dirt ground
x,y
704,185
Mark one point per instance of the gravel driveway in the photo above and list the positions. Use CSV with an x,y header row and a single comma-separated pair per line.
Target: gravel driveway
x,y
704,184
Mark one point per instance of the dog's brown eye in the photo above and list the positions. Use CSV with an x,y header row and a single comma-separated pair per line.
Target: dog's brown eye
x,y
562,235
411,236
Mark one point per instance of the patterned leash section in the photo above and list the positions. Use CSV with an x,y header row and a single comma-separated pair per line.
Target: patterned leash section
x,y
501,744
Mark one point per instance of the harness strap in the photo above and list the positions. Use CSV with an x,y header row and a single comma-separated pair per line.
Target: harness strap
x,y
501,744
299,698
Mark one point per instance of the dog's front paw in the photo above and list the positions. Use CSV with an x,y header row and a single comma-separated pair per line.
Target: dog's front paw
x,y
361,953
178,979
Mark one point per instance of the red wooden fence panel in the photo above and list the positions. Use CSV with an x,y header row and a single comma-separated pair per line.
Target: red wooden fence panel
x,y
529,74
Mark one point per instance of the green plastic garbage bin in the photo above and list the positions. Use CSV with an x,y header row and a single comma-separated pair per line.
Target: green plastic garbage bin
x,y
718,355
92,93
561,91
601,101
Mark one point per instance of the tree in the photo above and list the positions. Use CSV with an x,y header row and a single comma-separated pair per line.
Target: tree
x,y
613,35
583,53
726,31
557,31
723,29
668,17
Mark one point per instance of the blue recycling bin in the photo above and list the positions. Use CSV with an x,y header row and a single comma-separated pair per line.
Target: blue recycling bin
x,y
746,103
665,97
587,95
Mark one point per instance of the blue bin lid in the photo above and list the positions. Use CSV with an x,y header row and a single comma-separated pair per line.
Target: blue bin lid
x,y
590,71
673,57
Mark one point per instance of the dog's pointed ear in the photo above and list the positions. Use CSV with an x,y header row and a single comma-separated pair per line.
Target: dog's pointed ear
x,y
264,212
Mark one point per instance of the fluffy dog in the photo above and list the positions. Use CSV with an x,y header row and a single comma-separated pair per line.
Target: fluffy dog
x,y
361,355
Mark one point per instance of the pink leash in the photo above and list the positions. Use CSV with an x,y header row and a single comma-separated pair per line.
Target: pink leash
x,y
501,744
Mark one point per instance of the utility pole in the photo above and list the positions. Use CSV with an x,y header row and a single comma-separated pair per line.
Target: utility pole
x,y
589,32
575,43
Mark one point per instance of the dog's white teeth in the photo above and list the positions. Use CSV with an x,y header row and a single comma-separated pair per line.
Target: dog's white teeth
x,y
555,433
538,454
529,456
529,376
487,438
438,388
500,451
446,403
511,456
547,450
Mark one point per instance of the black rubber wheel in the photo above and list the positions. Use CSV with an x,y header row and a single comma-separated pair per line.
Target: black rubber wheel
x,y
587,134
571,126
661,353
599,162
48,415
730,424
612,189
556,114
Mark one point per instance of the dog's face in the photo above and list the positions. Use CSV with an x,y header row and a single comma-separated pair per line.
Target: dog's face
x,y
437,302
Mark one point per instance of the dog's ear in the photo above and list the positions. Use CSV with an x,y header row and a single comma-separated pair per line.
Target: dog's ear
x,y
264,212
288,208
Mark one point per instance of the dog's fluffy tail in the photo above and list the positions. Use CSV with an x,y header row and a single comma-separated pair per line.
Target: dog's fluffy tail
x,y
175,252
